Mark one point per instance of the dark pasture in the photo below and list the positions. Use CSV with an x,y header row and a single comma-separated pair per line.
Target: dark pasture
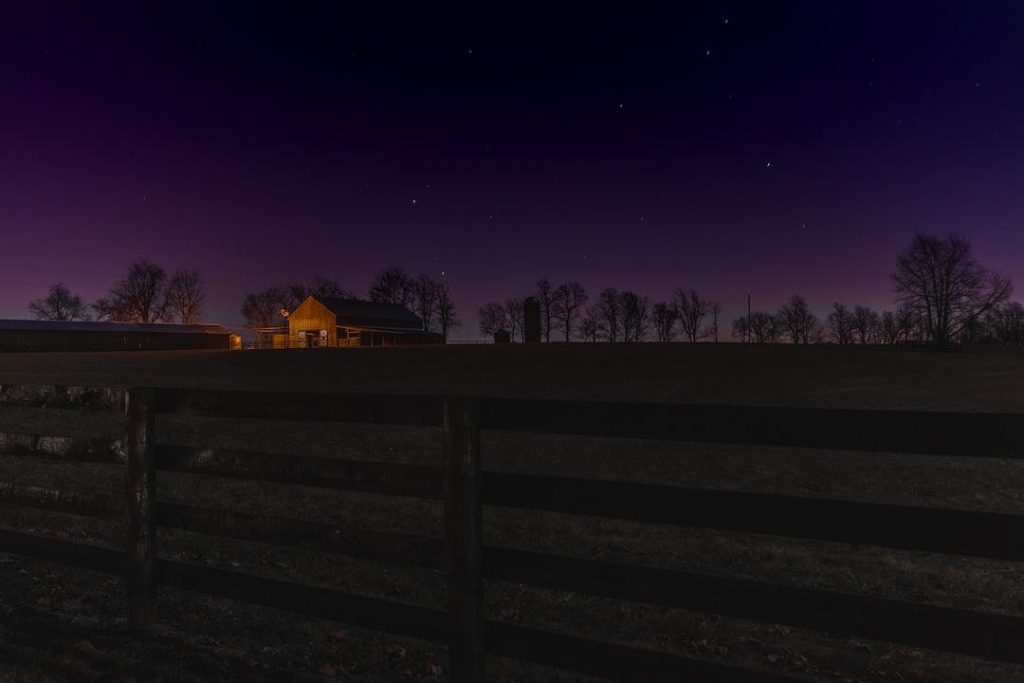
x,y
203,638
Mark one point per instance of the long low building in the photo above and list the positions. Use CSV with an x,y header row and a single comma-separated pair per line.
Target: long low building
x,y
45,335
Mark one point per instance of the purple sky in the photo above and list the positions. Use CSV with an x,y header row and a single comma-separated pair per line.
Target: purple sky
x,y
778,148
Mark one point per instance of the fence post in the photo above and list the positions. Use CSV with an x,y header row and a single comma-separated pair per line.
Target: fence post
x,y
140,483
464,524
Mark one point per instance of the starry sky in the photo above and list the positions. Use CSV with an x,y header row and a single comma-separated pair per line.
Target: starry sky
x,y
763,147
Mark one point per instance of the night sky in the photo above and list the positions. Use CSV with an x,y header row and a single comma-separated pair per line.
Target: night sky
x,y
772,148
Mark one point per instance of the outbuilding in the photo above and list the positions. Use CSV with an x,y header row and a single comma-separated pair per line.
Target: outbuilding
x,y
45,335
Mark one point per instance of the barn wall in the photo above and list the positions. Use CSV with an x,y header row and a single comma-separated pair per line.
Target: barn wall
x,y
312,316
65,340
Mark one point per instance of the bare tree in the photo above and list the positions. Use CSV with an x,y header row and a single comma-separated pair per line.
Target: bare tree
x,y
664,317
888,330
546,297
759,328
447,320
797,322
866,324
59,304
1004,324
840,324
424,299
185,296
692,311
140,296
318,286
608,314
944,284
635,312
590,325
493,318
392,286
516,317
715,310
263,309
568,300
741,329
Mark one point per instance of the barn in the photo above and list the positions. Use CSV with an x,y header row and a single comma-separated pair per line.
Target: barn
x,y
330,322
45,335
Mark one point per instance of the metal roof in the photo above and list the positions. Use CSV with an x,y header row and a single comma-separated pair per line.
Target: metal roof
x,y
356,313
104,326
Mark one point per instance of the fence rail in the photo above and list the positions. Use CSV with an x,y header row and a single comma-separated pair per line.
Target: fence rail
x,y
465,488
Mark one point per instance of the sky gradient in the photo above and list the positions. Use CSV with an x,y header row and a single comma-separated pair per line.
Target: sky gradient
x,y
732,147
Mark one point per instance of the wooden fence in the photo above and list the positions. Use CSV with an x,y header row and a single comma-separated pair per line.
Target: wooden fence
x,y
468,561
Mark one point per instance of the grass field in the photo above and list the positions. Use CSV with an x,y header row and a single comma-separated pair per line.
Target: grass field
x,y
208,639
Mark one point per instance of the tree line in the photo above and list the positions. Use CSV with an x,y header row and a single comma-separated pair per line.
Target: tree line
x,y
428,298
144,294
942,294
615,316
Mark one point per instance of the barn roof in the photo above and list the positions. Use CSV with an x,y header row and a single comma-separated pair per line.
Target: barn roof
x,y
84,326
372,314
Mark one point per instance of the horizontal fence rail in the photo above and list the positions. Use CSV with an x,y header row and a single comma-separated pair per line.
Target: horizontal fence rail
x,y
422,481
465,488
383,546
898,431
935,433
979,634
980,534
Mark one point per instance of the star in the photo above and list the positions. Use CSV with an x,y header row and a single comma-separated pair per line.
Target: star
x,y
769,165
414,202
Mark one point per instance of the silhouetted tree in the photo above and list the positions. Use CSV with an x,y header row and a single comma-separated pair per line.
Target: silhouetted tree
x,y
797,322
567,301
447,320
546,297
1004,324
185,296
944,284
424,299
515,318
140,296
392,286
318,286
888,331
840,324
759,328
590,326
59,304
664,317
493,317
866,324
692,311
265,308
714,310
635,312
608,314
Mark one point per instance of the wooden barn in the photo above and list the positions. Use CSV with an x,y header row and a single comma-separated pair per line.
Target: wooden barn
x,y
330,322
44,335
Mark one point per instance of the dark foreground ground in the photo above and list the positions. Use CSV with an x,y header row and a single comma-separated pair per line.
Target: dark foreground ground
x,y
58,624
